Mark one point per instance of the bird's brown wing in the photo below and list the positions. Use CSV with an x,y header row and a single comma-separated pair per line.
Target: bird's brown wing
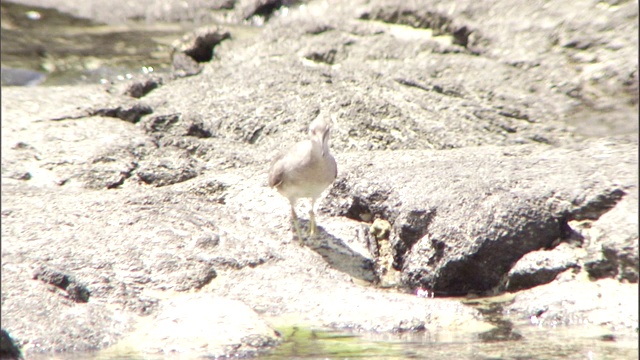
x,y
276,171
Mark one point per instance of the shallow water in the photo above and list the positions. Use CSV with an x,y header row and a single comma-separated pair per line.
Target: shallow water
x,y
45,46
68,50
510,338
534,343
539,343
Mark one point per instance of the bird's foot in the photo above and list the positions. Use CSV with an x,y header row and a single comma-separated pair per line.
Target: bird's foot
x,y
296,227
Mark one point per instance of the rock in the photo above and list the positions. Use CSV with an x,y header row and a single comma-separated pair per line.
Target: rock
x,y
196,48
8,348
614,243
141,88
72,323
131,113
263,9
201,325
75,291
540,267
413,325
499,209
208,241
165,172
572,301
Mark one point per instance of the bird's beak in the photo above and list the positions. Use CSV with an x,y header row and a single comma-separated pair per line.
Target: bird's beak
x,y
325,139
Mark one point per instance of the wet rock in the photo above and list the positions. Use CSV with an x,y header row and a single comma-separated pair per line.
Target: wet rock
x,y
413,325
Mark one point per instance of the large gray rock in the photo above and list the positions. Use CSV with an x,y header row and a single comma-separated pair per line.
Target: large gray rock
x,y
462,218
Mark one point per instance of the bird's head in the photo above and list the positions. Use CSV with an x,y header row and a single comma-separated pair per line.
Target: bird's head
x,y
319,131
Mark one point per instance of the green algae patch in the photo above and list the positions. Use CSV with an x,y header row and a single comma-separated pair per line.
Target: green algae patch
x,y
302,342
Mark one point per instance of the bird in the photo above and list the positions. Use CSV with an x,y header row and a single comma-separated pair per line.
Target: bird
x,y
305,170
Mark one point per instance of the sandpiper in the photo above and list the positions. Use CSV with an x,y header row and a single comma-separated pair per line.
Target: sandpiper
x,y
305,170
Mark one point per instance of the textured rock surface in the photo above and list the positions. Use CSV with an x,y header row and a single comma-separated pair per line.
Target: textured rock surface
x,y
498,142
508,202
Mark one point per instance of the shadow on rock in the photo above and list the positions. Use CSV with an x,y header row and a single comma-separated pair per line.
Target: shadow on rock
x,y
341,257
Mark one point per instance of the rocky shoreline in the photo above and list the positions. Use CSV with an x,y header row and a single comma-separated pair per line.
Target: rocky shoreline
x,y
481,150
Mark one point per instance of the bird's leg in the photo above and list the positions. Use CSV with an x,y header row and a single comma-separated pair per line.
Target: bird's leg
x,y
296,225
312,220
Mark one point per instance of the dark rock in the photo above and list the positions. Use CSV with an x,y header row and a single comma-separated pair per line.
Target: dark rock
x,y
8,348
264,8
602,268
199,128
19,175
141,88
131,113
213,190
196,48
196,280
410,228
327,57
146,306
318,28
76,291
501,333
540,267
223,4
413,325
492,222
616,260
